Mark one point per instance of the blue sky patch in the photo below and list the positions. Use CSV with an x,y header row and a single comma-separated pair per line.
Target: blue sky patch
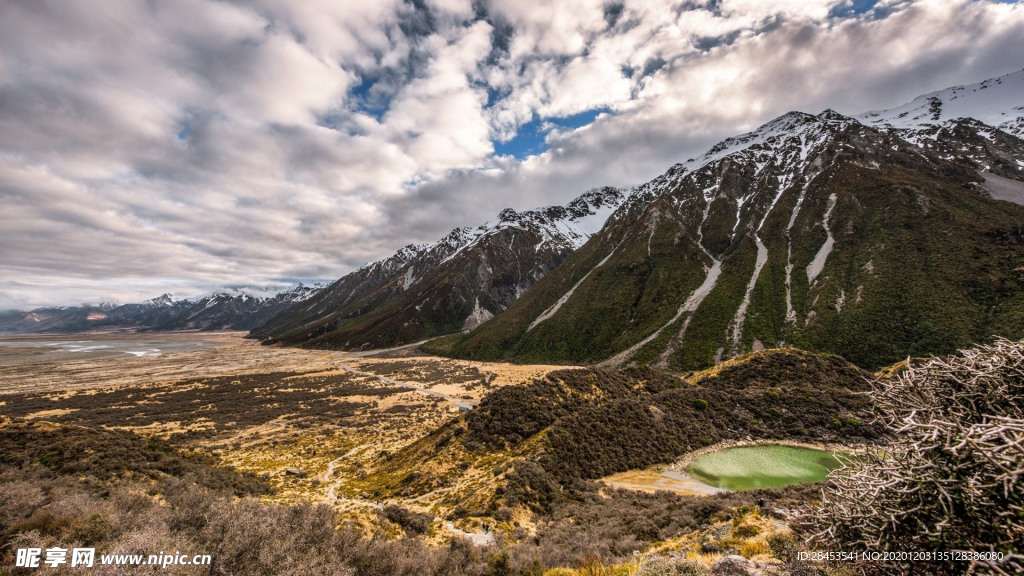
x,y
370,103
529,139
852,8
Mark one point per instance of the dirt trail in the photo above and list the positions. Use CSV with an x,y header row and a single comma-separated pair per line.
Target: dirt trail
x,y
478,538
331,497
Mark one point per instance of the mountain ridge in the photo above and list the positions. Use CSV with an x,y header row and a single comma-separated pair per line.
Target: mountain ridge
x,y
221,310
724,207
728,252
454,284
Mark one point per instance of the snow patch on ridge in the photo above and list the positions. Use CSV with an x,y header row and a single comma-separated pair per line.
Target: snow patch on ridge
x,y
741,313
689,306
409,279
818,264
762,258
790,312
570,225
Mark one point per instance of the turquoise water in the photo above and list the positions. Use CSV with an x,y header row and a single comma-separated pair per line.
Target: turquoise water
x,y
762,466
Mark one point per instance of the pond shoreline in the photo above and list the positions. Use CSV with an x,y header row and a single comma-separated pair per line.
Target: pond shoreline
x,y
685,460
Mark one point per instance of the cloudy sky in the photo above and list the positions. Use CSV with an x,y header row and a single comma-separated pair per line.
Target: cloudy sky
x,y
149,146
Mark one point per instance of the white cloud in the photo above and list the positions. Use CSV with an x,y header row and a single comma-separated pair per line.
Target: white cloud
x,y
551,28
760,9
197,143
439,117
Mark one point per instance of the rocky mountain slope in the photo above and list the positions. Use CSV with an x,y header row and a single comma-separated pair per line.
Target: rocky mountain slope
x,y
219,311
452,285
873,237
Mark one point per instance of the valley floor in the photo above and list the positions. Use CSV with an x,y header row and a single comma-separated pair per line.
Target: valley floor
x,y
308,422
389,440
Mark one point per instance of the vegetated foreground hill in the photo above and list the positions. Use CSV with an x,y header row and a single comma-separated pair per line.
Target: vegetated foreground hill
x,y
97,457
575,425
124,494
121,493
873,238
219,311
455,284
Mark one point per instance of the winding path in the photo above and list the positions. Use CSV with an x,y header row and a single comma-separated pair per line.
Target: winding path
x,y
478,538
331,496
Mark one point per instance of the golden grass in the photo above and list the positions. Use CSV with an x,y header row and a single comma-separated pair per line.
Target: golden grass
x,y
747,533
595,567
752,548
705,559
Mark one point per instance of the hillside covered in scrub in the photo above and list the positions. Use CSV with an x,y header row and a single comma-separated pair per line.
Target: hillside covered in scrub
x,y
528,462
65,485
125,494
577,425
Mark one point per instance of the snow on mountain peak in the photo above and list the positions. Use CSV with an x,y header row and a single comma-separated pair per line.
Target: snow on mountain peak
x,y
573,223
166,299
997,102
789,140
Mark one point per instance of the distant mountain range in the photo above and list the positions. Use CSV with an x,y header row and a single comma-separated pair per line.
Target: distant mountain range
x,y
891,233
455,284
219,311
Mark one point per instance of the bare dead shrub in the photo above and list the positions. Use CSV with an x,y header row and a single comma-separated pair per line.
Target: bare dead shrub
x,y
951,480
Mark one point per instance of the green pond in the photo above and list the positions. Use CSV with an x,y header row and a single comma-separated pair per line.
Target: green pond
x,y
762,466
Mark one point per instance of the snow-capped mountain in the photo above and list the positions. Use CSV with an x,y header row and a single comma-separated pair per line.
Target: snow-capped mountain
x,y
226,310
874,237
996,102
972,122
453,284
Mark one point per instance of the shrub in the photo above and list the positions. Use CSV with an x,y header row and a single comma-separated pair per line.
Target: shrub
x,y
504,514
662,566
700,404
99,456
753,548
412,522
952,477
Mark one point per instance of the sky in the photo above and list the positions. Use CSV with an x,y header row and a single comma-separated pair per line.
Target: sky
x,y
184,146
